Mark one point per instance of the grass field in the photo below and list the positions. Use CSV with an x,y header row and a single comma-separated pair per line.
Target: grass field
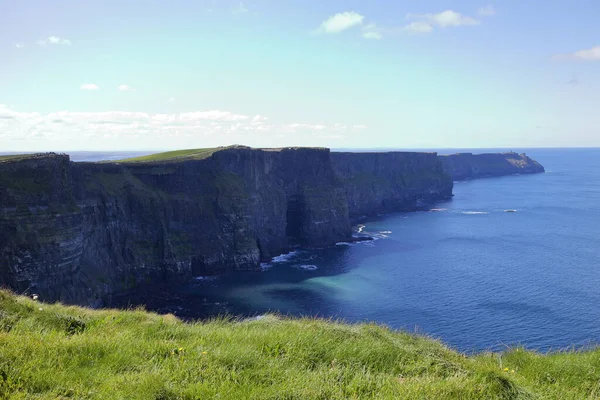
x,y
58,352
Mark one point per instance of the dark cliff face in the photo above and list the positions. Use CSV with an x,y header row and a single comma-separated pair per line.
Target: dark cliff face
x,y
40,224
394,181
78,232
464,166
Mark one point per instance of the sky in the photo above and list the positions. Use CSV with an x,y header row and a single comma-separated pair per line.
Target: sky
x,y
160,75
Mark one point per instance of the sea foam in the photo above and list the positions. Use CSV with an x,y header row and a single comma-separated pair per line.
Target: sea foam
x,y
285,257
307,267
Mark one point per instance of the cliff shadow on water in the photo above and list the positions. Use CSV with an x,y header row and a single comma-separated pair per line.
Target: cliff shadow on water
x,y
84,232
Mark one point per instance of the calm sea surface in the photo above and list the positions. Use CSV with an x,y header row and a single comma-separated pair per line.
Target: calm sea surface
x,y
468,272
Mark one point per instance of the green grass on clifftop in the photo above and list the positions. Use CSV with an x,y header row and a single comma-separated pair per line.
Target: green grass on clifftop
x,y
59,352
177,155
20,157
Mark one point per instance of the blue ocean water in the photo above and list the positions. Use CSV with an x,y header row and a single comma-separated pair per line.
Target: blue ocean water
x,y
468,272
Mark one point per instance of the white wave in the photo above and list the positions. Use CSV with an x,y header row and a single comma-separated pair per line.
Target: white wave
x,y
265,266
284,257
205,278
475,212
307,267
385,232
437,209
345,244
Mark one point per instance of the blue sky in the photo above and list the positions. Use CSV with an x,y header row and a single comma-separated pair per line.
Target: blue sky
x,y
130,74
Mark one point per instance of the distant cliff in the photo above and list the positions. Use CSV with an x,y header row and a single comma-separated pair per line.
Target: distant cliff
x,y
80,232
393,181
464,166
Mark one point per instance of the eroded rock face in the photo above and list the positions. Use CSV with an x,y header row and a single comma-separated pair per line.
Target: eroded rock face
x,y
81,232
78,232
464,166
394,181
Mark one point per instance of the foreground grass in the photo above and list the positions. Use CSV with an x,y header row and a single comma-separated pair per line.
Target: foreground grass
x,y
54,352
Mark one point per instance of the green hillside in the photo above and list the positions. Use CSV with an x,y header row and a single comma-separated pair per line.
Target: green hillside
x,y
59,352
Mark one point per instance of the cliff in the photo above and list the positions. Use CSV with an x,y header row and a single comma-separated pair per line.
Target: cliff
x,y
80,232
464,166
378,183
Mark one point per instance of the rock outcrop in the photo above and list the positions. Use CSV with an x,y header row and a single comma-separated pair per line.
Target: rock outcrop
x,y
377,183
80,232
463,166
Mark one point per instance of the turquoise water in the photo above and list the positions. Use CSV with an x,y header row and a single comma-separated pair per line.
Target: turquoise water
x,y
468,273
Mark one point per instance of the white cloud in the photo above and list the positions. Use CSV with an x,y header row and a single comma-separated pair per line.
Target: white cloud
x,y
487,11
92,128
418,27
425,23
89,86
589,54
19,45
445,19
340,22
54,40
124,88
372,35
592,54
240,9
259,118
213,115
371,31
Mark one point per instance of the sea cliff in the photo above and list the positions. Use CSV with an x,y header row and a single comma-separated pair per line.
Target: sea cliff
x,y
385,182
463,166
81,232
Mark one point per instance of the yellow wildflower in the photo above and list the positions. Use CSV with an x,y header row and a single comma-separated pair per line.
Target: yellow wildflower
x,y
506,369
204,353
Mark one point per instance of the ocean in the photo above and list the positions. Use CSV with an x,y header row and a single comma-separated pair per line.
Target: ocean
x,y
466,272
